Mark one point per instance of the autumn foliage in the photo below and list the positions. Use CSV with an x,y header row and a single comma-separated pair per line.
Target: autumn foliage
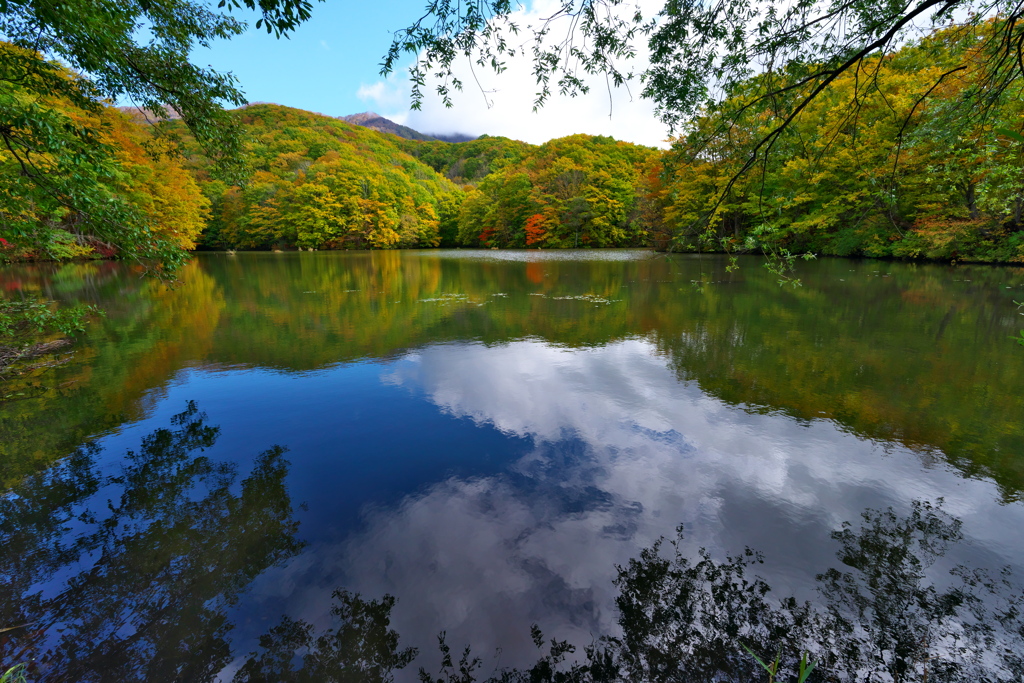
x,y
864,170
81,179
576,191
535,229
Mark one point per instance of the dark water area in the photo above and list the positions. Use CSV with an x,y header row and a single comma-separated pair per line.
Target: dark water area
x,y
484,436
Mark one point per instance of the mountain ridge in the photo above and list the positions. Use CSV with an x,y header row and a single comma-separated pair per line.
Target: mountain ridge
x,y
375,121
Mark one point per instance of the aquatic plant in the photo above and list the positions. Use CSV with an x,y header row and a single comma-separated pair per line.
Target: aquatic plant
x,y
16,674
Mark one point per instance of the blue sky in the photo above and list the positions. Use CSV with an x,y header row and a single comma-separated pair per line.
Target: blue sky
x,y
331,65
323,64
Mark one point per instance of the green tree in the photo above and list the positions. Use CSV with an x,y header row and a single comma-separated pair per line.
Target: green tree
x,y
135,50
703,54
869,169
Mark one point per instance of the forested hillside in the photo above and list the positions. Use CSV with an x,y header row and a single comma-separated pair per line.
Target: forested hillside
x,y
578,191
864,169
80,179
321,183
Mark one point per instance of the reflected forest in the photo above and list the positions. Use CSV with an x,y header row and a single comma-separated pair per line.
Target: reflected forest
x,y
888,351
142,565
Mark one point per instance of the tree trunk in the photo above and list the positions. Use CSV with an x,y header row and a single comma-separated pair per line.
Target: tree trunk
x,y
972,200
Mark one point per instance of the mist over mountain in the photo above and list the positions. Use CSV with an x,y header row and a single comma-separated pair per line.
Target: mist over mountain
x,y
454,137
374,121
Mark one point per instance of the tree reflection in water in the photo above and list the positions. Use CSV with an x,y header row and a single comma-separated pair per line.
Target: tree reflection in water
x,y
362,648
129,577
884,617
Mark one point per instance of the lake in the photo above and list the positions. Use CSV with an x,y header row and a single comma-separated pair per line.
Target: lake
x,y
484,435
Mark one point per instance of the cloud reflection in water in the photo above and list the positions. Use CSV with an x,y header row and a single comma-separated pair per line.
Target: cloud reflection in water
x,y
623,452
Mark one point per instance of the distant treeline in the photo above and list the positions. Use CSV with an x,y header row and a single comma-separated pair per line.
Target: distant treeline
x,y
863,170
320,183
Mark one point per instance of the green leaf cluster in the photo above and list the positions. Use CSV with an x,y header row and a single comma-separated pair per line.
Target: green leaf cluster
x,y
79,178
869,167
63,180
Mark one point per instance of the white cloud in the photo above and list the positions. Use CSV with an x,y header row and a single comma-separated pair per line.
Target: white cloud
x,y
502,104
383,96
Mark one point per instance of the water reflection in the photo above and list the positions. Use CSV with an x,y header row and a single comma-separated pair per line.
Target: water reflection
x,y
358,648
486,439
622,452
120,368
128,576
916,355
882,615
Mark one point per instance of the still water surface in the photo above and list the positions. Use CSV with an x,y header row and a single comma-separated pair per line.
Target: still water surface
x,y
484,435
